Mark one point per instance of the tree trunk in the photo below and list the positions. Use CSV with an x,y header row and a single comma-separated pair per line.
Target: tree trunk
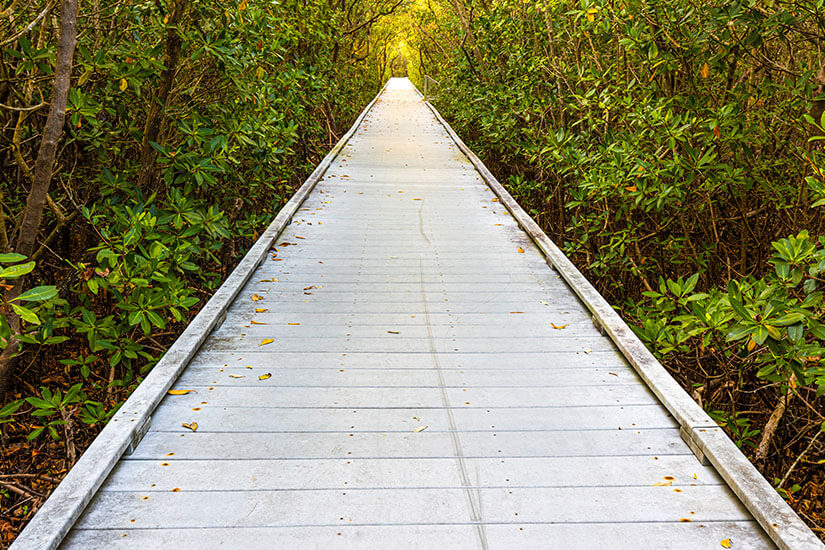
x,y
36,202
157,108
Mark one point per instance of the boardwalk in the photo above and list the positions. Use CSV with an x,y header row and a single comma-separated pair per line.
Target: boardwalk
x,y
404,370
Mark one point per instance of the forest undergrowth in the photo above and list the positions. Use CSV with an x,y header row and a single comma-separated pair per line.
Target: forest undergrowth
x,y
674,150
143,146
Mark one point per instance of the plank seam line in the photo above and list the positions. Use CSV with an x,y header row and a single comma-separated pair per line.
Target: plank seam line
x,y
473,500
702,435
68,501
694,523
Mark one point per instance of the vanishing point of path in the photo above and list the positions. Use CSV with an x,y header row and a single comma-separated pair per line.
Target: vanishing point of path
x,y
405,371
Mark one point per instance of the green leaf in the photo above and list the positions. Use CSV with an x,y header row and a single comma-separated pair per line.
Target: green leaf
x,y
38,294
26,314
11,258
16,271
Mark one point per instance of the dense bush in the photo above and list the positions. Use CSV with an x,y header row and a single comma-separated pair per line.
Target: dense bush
x,y
666,146
188,125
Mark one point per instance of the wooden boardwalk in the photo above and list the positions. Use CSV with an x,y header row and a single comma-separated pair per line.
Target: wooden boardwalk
x,y
404,370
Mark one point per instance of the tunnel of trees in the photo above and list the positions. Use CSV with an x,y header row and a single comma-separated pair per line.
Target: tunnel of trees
x,y
673,149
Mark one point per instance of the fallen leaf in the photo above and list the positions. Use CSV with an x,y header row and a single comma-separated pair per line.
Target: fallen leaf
x,y
309,287
495,200
542,302
557,327
257,323
297,237
393,332
260,309
663,484
704,71
265,376
266,341
420,429
293,324
236,376
520,250
588,350
193,426
612,374
726,543
272,280
516,312
255,298
249,367
179,392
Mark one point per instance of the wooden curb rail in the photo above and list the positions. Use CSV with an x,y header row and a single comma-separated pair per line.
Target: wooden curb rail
x,y
122,434
705,438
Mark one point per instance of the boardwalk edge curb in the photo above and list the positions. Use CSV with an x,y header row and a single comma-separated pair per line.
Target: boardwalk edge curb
x,y
700,432
67,502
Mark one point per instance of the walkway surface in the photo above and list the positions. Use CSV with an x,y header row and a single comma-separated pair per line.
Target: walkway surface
x,y
405,371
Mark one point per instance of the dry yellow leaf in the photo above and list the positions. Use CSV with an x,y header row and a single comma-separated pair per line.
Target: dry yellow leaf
x,y
751,344
631,188
260,309
495,199
705,70
726,543
123,84
512,312
193,426
255,298
265,376
293,324
520,250
257,323
393,332
558,327
179,392
266,341
236,376
663,484
299,237
420,429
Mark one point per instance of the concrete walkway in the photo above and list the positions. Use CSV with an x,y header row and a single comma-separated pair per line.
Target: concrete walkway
x,y
405,371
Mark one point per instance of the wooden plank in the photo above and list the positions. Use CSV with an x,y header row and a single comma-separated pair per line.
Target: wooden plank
x,y
271,475
425,444
239,418
209,509
416,396
584,536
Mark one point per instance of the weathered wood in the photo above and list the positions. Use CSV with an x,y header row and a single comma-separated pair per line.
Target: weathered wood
x,y
419,395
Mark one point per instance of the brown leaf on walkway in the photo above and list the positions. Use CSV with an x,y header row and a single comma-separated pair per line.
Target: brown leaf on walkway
x,y
266,341
516,312
393,332
420,429
260,309
293,324
309,287
257,323
558,327
663,484
193,426
495,199
299,237
180,392
255,298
